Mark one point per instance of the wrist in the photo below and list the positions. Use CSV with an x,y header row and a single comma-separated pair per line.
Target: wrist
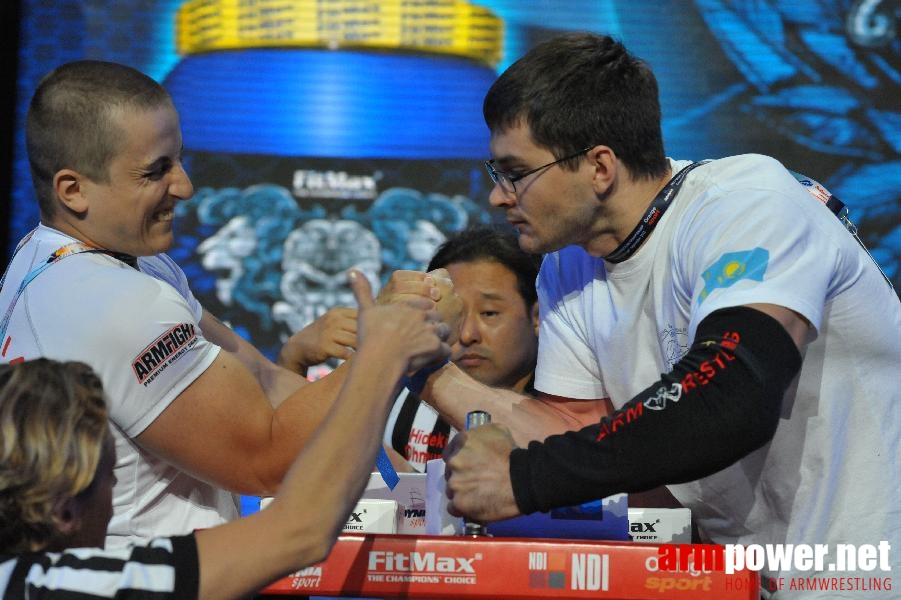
x,y
417,381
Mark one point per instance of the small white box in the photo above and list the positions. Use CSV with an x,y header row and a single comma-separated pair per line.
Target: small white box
x,y
409,493
660,525
439,521
372,516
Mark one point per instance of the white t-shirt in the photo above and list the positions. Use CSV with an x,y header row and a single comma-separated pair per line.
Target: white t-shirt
x,y
139,331
741,231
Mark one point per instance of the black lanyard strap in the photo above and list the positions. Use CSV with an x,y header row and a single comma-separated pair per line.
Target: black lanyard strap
x,y
658,206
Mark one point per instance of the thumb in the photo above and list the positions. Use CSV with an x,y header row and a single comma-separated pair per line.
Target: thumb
x,y
361,288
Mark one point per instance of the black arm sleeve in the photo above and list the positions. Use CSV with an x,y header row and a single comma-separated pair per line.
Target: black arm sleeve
x,y
721,401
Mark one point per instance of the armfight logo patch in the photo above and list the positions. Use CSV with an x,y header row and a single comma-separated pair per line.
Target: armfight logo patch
x,y
163,351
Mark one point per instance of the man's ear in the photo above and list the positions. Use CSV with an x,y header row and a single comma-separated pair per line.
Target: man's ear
x,y
67,517
605,164
69,186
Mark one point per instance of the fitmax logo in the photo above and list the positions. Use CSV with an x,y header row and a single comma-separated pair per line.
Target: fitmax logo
x,y
308,183
644,527
421,562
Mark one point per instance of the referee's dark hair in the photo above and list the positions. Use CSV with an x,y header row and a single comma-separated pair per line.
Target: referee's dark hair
x,y
491,243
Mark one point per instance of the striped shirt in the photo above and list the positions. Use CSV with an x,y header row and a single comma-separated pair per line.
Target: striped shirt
x,y
161,568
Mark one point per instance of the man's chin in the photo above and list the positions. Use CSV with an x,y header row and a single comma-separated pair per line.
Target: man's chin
x,y
474,371
530,244
483,375
159,245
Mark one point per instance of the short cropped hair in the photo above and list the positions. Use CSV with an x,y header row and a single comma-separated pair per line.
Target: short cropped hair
x,y
53,423
578,90
71,120
496,244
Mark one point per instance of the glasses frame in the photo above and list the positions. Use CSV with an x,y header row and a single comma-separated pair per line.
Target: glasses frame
x,y
501,178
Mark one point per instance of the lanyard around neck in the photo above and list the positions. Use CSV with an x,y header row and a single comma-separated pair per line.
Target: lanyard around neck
x,y
648,222
70,249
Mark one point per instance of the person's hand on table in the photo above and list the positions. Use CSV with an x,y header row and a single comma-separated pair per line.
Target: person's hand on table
x,y
477,473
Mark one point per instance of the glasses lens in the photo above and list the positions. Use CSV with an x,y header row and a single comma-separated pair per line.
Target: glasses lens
x,y
491,172
499,177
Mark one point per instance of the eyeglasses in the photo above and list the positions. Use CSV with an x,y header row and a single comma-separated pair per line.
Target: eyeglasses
x,y
507,181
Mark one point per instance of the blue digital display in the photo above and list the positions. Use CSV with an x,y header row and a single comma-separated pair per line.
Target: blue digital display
x,y
812,82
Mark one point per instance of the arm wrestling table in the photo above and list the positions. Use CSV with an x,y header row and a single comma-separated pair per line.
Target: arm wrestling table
x,y
423,567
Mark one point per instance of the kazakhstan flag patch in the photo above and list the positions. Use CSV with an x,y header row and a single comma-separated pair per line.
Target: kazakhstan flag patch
x,y
732,267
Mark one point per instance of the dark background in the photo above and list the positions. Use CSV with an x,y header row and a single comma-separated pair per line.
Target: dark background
x,y
9,34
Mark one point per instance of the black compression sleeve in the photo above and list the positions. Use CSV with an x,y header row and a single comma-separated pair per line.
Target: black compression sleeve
x,y
721,401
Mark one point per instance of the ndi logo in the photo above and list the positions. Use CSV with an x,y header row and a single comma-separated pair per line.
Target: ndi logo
x,y
588,571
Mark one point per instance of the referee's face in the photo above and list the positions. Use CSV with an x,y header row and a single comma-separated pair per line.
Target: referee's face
x,y
498,341
95,504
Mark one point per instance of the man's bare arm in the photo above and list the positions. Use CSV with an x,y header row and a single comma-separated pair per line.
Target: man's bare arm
x,y
231,428
277,382
453,393
223,429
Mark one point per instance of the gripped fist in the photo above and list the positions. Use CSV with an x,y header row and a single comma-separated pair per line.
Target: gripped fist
x,y
448,303
407,286
477,473
436,286
412,328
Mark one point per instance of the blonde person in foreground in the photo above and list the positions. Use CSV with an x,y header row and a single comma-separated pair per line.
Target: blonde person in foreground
x,y
56,478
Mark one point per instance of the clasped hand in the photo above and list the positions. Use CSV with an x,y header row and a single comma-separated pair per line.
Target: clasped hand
x,y
414,327
412,286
